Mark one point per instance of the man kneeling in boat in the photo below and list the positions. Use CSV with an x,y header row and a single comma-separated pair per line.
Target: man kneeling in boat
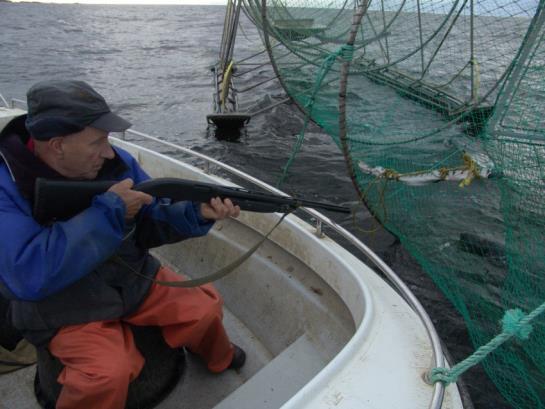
x,y
67,291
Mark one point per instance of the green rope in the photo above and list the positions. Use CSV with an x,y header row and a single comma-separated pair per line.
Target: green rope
x,y
515,323
346,52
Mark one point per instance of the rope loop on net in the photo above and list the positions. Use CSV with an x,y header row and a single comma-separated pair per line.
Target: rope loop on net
x,y
391,174
471,166
347,52
515,323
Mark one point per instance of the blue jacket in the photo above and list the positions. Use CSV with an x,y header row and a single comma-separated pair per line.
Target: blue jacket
x,y
61,273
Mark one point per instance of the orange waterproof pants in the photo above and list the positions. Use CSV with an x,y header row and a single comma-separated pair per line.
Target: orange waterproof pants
x,y
100,358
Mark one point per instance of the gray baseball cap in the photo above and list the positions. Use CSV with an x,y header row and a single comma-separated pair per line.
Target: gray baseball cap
x,y
63,107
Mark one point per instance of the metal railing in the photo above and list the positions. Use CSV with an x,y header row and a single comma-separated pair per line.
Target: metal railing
x,y
4,101
14,101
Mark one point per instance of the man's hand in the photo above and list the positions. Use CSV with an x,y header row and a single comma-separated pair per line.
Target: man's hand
x,y
133,200
218,210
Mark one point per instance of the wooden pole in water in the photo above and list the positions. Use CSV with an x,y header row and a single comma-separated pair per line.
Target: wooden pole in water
x,y
345,68
472,51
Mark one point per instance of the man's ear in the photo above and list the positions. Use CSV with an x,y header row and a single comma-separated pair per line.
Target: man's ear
x,y
56,145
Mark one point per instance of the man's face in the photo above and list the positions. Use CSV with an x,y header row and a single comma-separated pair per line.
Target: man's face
x,y
84,153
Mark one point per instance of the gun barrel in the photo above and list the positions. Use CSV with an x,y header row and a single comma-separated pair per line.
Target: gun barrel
x,y
177,189
322,205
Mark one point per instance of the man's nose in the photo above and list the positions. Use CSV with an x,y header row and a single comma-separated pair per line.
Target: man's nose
x,y
108,152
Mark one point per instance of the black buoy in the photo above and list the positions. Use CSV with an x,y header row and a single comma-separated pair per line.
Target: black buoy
x,y
162,371
229,120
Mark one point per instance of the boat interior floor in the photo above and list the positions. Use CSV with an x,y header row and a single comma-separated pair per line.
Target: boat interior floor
x,y
263,382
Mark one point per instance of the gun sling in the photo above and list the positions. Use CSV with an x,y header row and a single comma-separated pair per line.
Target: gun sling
x,y
211,277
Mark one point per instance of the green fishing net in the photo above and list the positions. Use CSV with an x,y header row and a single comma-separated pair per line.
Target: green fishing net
x,y
445,123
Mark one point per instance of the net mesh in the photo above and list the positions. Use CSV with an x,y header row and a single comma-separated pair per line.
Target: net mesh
x,y
445,119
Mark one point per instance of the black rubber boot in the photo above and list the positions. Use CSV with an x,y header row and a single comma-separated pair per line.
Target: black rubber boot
x,y
239,358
